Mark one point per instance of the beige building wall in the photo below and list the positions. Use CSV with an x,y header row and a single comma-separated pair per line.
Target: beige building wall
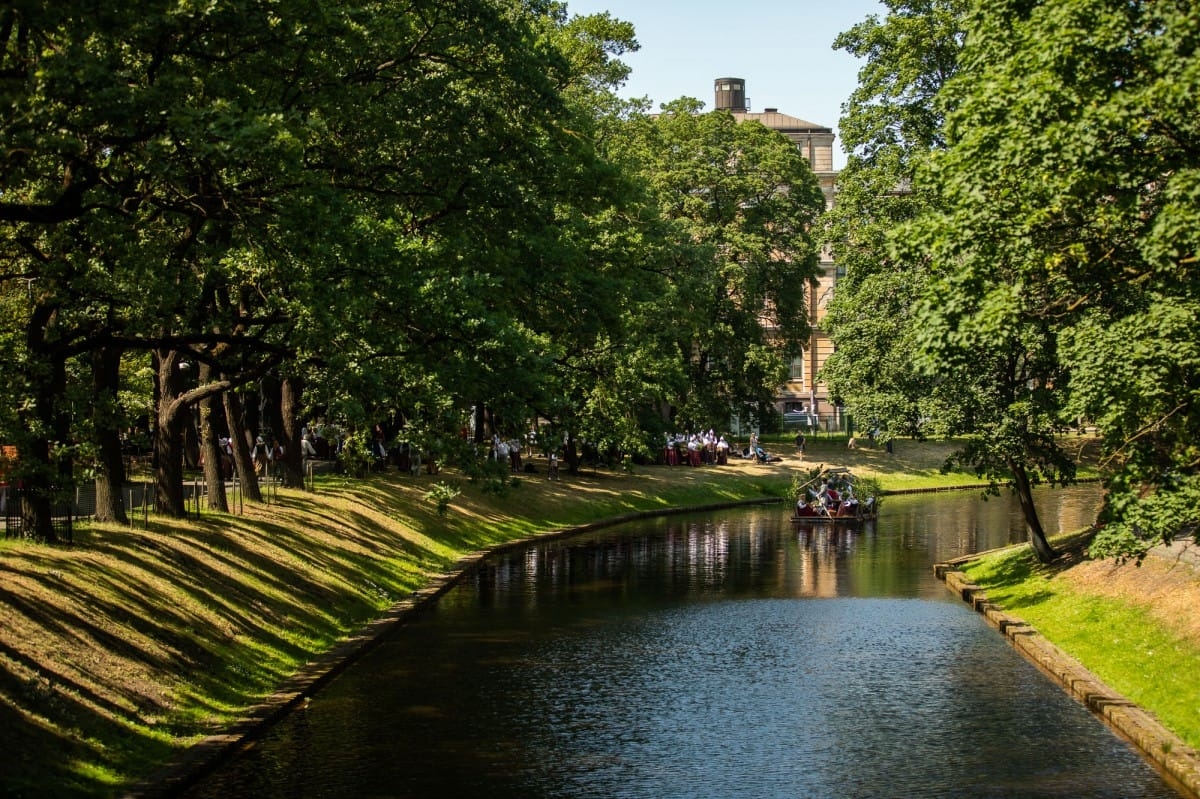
x,y
815,143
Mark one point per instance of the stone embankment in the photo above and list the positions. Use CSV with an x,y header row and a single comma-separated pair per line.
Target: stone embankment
x,y
1177,761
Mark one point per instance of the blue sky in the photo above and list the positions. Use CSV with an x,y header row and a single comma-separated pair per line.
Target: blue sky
x,y
782,48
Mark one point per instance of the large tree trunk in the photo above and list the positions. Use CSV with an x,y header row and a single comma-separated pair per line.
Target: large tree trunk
x,y
571,454
214,456
269,425
172,416
110,472
240,438
290,390
1037,536
45,475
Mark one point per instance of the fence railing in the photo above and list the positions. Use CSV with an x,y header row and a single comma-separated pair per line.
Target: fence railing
x,y
139,500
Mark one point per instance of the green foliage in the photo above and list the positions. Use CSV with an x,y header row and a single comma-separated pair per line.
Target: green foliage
x,y
1066,232
890,125
355,457
1137,377
865,487
442,494
738,205
802,481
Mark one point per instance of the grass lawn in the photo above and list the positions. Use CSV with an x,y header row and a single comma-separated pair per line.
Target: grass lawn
x,y
122,650
1132,626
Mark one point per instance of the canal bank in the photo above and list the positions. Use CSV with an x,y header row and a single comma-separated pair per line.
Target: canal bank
x,y
695,656
199,760
125,650
1179,762
1159,746
132,646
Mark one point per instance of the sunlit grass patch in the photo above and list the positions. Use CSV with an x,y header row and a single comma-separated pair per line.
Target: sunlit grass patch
x,y
1118,638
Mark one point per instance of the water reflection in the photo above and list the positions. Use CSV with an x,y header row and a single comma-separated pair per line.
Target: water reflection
x,y
730,654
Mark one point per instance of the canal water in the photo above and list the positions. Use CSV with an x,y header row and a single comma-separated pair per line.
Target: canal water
x,y
725,654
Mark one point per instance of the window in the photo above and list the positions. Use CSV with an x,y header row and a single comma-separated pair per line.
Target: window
x,y
796,370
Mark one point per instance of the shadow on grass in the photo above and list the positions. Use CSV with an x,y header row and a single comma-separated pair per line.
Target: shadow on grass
x,y
118,652
121,649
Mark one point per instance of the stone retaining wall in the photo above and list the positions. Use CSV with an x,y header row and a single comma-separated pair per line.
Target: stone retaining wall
x,y
1179,763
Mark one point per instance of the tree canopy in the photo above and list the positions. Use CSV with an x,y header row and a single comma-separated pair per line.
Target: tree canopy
x,y
1037,254
1068,196
385,216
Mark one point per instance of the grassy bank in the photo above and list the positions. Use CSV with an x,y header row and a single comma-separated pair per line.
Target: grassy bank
x,y
121,651
1133,626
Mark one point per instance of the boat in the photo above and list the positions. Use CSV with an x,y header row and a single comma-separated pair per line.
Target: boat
x,y
832,495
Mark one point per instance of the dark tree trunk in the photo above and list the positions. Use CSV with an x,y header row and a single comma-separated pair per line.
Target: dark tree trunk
x,y
290,390
110,474
268,407
45,476
480,424
214,456
37,505
240,438
1037,536
571,454
172,417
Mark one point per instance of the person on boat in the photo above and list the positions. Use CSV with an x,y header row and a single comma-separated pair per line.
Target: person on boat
x,y
823,493
849,501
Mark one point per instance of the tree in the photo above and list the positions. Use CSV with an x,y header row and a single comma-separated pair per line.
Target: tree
x,y
1067,209
739,206
167,171
889,125
1098,95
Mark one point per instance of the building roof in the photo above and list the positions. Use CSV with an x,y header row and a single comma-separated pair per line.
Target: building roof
x,y
781,122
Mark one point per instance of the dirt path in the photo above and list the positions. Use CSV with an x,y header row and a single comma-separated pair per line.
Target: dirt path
x,y
1167,583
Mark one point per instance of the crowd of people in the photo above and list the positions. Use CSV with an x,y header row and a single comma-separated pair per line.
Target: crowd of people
x,y
695,449
680,449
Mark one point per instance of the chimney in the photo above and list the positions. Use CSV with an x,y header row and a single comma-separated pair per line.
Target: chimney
x,y
730,94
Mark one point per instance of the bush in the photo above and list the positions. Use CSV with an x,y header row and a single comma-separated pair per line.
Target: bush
x,y
442,494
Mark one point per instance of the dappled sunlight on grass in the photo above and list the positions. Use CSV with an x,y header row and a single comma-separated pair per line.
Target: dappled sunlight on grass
x,y
123,649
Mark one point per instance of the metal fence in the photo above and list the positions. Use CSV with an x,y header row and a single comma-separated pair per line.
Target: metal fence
x,y
139,500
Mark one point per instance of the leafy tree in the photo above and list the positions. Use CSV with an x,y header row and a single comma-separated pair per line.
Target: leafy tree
x,y
1067,219
1098,95
889,125
739,206
169,170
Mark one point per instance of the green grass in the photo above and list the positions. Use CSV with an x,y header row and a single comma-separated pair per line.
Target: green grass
x,y
1117,640
205,617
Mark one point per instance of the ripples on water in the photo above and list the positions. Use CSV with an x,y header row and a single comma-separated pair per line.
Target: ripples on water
x,y
719,657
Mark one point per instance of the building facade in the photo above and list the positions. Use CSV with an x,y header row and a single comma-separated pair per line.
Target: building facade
x,y
802,393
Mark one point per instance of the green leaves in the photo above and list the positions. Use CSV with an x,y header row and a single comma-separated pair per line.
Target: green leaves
x,y
1064,237
739,206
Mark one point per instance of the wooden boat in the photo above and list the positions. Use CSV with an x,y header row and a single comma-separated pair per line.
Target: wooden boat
x,y
829,496
843,511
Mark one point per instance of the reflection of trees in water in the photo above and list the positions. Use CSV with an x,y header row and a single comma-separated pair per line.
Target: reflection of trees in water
x,y
678,557
762,553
